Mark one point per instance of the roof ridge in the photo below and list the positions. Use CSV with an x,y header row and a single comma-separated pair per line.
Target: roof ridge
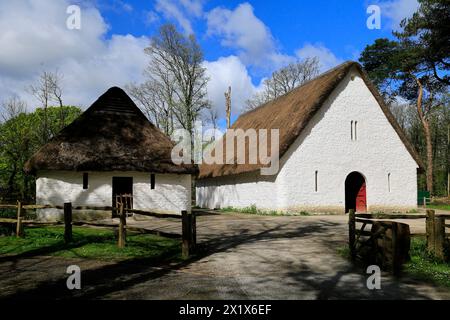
x,y
323,74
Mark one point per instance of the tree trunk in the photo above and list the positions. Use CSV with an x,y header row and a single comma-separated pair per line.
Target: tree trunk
x,y
428,140
429,144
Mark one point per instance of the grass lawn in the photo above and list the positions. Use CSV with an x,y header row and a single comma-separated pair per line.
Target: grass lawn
x,y
425,267
89,243
254,210
439,206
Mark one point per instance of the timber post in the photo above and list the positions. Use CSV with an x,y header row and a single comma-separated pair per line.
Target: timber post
x,y
68,222
19,226
396,262
439,237
193,231
186,226
122,226
351,233
430,230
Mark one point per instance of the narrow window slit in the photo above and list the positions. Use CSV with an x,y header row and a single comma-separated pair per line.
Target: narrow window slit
x,y
316,182
351,130
389,182
85,181
152,181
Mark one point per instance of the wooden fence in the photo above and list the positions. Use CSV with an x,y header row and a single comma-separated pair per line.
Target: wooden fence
x,y
188,221
388,242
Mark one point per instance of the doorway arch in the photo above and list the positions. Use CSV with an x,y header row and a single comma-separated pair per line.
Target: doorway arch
x,y
355,192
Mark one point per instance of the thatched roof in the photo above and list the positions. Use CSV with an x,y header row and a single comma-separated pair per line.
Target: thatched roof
x,y
112,135
291,113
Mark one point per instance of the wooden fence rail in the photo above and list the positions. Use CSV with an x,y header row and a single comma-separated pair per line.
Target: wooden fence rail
x,y
189,230
435,226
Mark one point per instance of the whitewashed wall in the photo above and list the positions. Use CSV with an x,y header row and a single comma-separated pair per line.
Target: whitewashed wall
x,y
326,146
172,192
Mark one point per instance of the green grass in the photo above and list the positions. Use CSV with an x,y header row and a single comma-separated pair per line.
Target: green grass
x,y
89,243
254,210
426,267
439,206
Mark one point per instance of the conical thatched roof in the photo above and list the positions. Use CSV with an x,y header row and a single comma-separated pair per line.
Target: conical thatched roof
x,y
112,135
291,113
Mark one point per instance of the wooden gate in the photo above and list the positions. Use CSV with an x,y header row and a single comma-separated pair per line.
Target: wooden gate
x,y
127,201
386,244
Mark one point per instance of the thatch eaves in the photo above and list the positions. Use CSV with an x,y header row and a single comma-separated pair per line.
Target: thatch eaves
x,y
111,135
292,112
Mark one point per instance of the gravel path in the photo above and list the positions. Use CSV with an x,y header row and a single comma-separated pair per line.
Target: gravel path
x,y
242,257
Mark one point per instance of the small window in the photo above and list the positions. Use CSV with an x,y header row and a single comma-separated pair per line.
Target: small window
x,y
152,181
356,130
315,181
389,182
351,130
85,181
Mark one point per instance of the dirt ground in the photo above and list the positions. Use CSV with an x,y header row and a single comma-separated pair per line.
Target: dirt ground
x,y
240,257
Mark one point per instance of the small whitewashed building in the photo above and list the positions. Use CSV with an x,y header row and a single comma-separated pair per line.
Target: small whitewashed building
x,y
111,149
340,148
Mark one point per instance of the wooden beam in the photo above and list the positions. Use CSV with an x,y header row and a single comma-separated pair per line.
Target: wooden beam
x,y
186,235
439,238
122,224
155,214
19,227
430,229
352,233
390,216
68,237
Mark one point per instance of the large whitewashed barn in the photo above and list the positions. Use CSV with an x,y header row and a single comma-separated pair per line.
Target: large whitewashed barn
x,y
111,149
340,149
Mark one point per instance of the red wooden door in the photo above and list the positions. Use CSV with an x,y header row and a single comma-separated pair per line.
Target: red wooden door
x,y
361,202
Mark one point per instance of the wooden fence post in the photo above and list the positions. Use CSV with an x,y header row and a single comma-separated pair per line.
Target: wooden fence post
x,y
430,230
193,231
351,233
186,226
68,222
439,237
122,226
396,263
19,226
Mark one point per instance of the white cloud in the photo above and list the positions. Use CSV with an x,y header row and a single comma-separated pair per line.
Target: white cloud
x,y
396,10
326,57
242,30
151,17
182,11
224,72
35,38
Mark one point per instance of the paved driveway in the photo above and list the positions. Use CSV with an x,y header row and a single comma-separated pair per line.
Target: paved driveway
x,y
242,257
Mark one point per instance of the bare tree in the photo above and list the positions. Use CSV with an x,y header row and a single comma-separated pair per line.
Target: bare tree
x,y
56,90
14,138
12,107
155,100
46,90
284,80
213,118
177,66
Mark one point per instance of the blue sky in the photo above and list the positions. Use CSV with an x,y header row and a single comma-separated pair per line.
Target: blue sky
x,y
243,41
338,25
